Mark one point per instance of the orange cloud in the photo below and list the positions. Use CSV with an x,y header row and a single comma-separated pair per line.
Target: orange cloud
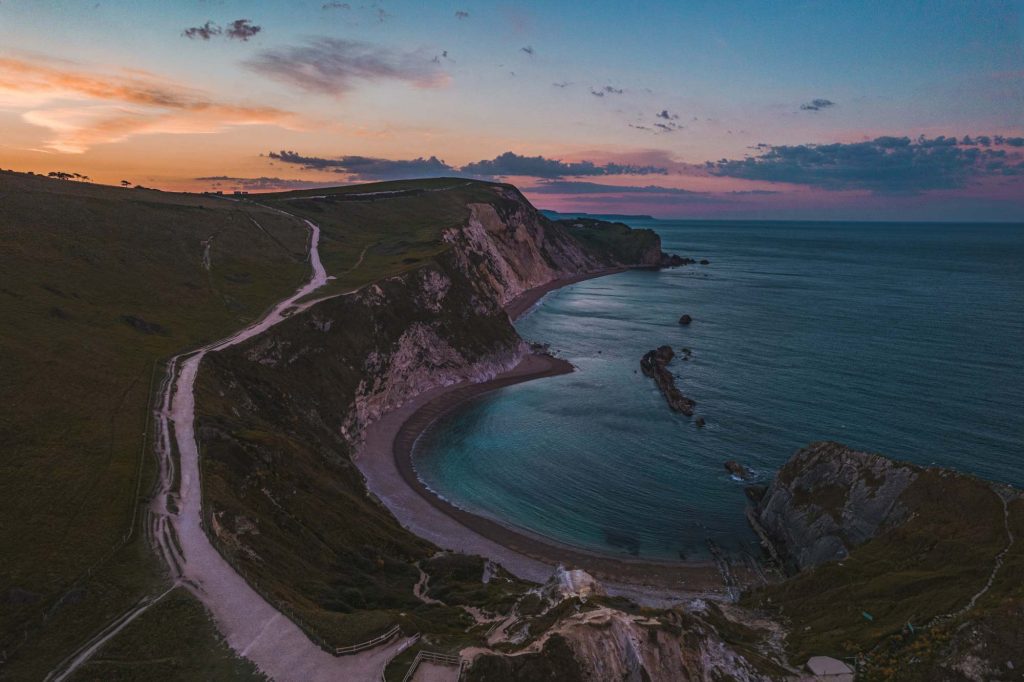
x,y
83,110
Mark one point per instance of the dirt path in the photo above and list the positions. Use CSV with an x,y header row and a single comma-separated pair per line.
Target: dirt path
x,y
75,660
250,625
1000,558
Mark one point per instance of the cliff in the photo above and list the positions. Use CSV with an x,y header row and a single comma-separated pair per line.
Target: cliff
x,y
828,499
280,416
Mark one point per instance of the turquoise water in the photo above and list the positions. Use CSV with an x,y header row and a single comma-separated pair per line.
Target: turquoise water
x,y
901,339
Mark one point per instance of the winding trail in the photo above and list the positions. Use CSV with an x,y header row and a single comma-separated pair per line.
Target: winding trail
x,y
1000,558
250,625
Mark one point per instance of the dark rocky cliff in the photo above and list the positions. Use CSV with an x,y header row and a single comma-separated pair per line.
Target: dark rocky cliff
x,y
829,498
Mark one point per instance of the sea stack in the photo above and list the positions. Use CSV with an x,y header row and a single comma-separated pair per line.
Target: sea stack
x,y
654,364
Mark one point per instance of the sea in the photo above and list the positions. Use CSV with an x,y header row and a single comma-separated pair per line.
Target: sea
x,y
902,339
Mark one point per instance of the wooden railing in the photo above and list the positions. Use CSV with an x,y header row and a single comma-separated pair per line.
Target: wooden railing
x,y
368,644
433,657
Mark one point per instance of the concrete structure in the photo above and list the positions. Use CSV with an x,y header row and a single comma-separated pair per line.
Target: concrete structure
x,y
830,669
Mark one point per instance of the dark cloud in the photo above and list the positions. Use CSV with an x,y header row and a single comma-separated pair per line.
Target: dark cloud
x,y
239,29
882,165
665,124
511,164
528,50
337,5
562,84
606,90
242,29
204,32
369,168
505,165
261,183
817,105
461,14
333,66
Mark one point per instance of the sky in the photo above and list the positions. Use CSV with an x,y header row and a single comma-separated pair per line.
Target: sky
x,y
805,109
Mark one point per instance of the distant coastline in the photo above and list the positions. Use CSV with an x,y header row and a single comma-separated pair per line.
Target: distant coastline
x,y
613,216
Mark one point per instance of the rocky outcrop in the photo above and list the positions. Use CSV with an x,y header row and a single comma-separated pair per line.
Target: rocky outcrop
x,y
655,365
671,260
737,470
828,499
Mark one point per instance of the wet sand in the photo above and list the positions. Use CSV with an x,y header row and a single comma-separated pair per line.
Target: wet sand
x,y
386,461
526,300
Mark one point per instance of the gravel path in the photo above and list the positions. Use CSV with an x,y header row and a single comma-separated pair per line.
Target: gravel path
x,y
250,625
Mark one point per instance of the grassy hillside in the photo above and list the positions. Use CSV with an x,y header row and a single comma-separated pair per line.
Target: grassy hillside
x,y
99,284
386,228
613,240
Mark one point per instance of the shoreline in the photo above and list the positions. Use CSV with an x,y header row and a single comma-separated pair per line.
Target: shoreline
x,y
524,302
386,462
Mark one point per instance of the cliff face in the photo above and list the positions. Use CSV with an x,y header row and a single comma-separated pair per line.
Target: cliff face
x,y
828,499
280,416
442,323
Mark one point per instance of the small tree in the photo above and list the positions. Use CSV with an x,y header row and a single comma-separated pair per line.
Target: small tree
x,y
126,183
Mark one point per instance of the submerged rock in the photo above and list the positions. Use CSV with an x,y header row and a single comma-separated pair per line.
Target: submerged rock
x,y
685,319
699,422
705,261
738,470
673,260
654,364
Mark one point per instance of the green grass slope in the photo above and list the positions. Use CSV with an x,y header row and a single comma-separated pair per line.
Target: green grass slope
x,y
99,284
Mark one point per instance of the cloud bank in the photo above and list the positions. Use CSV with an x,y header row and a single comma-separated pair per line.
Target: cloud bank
x,y
84,109
508,164
881,165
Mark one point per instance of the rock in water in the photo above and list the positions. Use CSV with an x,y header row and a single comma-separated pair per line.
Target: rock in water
x,y
705,261
654,364
674,260
685,319
738,470
700,422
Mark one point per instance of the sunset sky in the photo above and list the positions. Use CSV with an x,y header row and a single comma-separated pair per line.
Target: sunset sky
x,y
777,110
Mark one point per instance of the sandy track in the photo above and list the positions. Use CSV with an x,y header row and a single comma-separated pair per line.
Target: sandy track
x,y
251,625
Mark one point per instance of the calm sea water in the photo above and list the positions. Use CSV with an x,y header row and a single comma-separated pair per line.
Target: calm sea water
x,y
902,339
